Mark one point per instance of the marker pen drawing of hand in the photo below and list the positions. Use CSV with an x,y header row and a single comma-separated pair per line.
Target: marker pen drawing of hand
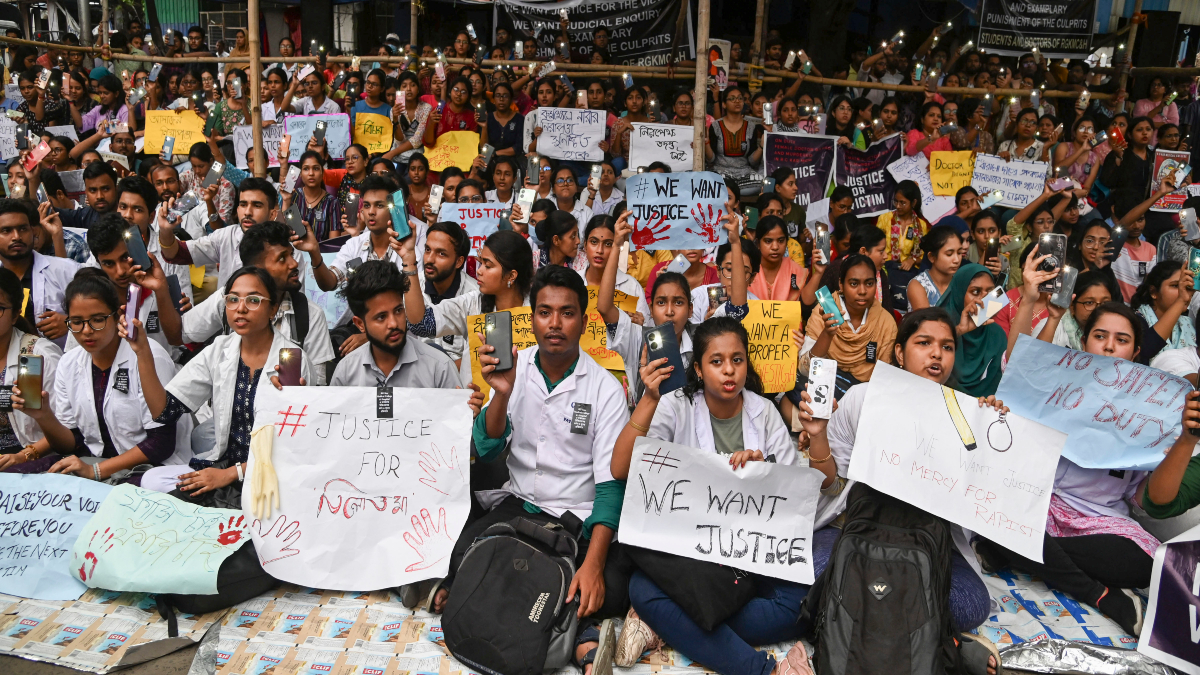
x,y
426,540
277,541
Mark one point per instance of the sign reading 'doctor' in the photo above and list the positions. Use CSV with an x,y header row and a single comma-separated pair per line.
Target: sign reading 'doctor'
x,y
677,210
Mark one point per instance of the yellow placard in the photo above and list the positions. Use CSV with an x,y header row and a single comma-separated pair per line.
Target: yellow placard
x,y
624,302
373,131
951,171
522,329
454,148
595,335
772,352
25,302
185,127
196,273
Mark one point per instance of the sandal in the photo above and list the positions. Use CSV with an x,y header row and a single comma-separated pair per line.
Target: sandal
x,y
974,651
601,656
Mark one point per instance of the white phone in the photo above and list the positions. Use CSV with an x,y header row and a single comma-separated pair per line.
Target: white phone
x,y
822,375
680,264
990,304
435,198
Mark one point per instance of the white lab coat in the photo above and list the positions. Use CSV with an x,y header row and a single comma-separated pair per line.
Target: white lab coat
x,y
26,429
358,248
50,278
685,422
221,248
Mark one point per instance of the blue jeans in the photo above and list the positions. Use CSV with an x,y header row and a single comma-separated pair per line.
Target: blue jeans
x,y
766,619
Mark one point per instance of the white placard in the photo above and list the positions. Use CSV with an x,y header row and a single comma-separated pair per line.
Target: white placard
x,y
268,111
479,220
938,450
690,503
1022,182
916,168
8,138
243,140
300,128
668,143
570,133
352,480
67,130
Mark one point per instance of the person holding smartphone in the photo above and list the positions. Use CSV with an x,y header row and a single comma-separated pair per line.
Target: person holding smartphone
x,y
378,240
21,439
52,274
454,114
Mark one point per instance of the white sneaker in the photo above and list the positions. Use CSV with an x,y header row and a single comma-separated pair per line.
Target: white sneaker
x,y
636,638
1139,611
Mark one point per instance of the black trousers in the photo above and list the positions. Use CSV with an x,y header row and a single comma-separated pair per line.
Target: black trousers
x,y
1082,566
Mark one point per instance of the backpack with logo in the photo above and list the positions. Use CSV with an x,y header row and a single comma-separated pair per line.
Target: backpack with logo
x,y
508,613
882,605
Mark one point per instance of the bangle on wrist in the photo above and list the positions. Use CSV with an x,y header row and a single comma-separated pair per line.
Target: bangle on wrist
x,y
96,469
635,425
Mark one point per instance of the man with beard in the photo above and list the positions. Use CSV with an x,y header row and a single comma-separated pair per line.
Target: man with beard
x,y
446,251
100,181
44,278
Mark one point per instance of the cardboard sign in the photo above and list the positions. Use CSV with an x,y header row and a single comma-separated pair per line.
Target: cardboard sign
x,y
351,479
454,148
865,172
300,128
950,171
479,220
667,143
677,210
185,127
1022,182
1171,632
8,139
373,131
67,130
243,140
916,169
809,157
571,133
691,503
522,339
937,449
772,352
1119,414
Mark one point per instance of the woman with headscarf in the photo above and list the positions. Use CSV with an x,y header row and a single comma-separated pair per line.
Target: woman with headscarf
x,y
980,350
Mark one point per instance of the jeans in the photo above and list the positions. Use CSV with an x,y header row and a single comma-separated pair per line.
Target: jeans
x,y
766,619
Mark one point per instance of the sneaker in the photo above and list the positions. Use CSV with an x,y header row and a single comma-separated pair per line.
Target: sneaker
x,y
795,663
1138,609
636,638
602,664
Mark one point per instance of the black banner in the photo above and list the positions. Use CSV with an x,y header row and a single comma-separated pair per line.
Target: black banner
x,y
865,172
1058,28
640,31
809,157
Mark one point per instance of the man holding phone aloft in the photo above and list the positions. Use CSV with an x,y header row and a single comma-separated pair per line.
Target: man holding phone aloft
x,y
44,308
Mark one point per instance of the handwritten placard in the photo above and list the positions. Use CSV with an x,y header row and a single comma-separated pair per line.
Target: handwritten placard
x,y
916,168
689,502
950,171
667,143
8,139
937,449
41,515
300,128
373,132
1022,182
522,338
594,340
151,542
243,141
772,352
571,133
67,130
1119,414
677,210
454,148
354,475
479,220
185,127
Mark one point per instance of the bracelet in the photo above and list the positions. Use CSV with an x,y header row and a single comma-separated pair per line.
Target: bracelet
x,y
635,425
241,476
96,468
814,460
30,453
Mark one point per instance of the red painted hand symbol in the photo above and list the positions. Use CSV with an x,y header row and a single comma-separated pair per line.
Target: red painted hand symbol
x,y
276,542
232,533
426,540
88,566
645,236
709,227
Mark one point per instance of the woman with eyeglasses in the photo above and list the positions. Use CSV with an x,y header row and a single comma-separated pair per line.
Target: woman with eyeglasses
x,y
313,100
228,373
1077,153
734,142
1023,143
840,122
1155,107
458,114
1087,250
23,448
95,412
566,191
1170,138
972,132
1064,327
505,125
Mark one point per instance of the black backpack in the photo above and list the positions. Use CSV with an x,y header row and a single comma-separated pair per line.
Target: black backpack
x,y
882,605
240,578
508,612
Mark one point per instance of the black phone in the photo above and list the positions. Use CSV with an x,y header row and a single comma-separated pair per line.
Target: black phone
x,y
352,209
137,249
497,332
768,185
23,136
1119,236
293,221
319,132
661,343
289,366
505,220
993,249
175,290
29,379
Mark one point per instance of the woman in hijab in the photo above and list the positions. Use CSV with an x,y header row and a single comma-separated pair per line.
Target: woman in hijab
x,y
980,348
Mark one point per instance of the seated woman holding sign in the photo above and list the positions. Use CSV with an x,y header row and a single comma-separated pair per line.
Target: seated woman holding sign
x,y
599,244
720,410
559,237
1092,548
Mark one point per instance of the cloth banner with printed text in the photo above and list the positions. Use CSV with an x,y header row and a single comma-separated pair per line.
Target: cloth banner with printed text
x,y
185,127
1060,29
809,157
865,172
378,469
1171,629
454,148
676,210
640,33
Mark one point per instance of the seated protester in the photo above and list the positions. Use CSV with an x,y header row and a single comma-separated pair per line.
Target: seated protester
x,y
1174,486
598,246
137,202
375,292
1137,257
268,247
160,318
1092,548
602,198
779,277
504,178
200,156
443,265
943,249
97,409
771,204
721,410
227,373
559,237
52,240
1064,327
1173,244
1162,301
527,403
539,211
904,226
318,207
925,346
1088,249
20,434
698,272
504,273
100,181
566,194
258,202
869,241
980,349
1037,218
43,277
703,305
985,227
165,178
865,331
376,242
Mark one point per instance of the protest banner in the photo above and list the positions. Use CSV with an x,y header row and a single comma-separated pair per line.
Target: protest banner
x,y
642,33
373,131
455,148
676,210
8,139
939,450
185,127
1166,164
1119,414
383,467
300,128
809,157
595,336
1171,631
950,171
865,172
522,338
690,503
1060,30
41,515
67,130
243,141
670,144
151,542
916,168
1022,182
772,353
479,220
571,133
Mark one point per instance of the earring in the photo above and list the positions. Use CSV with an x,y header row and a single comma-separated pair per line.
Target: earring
x,y
510,283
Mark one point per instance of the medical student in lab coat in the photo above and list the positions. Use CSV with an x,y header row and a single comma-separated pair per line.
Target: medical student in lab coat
x,y
45,277
21,439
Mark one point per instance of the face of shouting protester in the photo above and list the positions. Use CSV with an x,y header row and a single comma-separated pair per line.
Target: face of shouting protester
x,y
929,352
248,309
723,367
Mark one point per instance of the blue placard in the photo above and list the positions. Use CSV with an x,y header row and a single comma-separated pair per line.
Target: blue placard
x,y
677,210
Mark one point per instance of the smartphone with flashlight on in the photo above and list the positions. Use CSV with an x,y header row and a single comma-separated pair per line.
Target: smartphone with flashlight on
x,y
290,359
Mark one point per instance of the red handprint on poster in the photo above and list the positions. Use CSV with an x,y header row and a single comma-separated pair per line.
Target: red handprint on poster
x,y
709,226
645,236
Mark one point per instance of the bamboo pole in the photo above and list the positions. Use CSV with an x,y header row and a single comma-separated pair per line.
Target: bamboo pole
x,y
412,37
1123,78
102,33
260,155
700,95
756,46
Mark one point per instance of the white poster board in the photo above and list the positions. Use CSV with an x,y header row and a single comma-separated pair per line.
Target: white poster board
x,y
300,128
479,220
571,133
8,139
67,130
938,450
243,140
690,503
916,168
667,143
359,474
1022,182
